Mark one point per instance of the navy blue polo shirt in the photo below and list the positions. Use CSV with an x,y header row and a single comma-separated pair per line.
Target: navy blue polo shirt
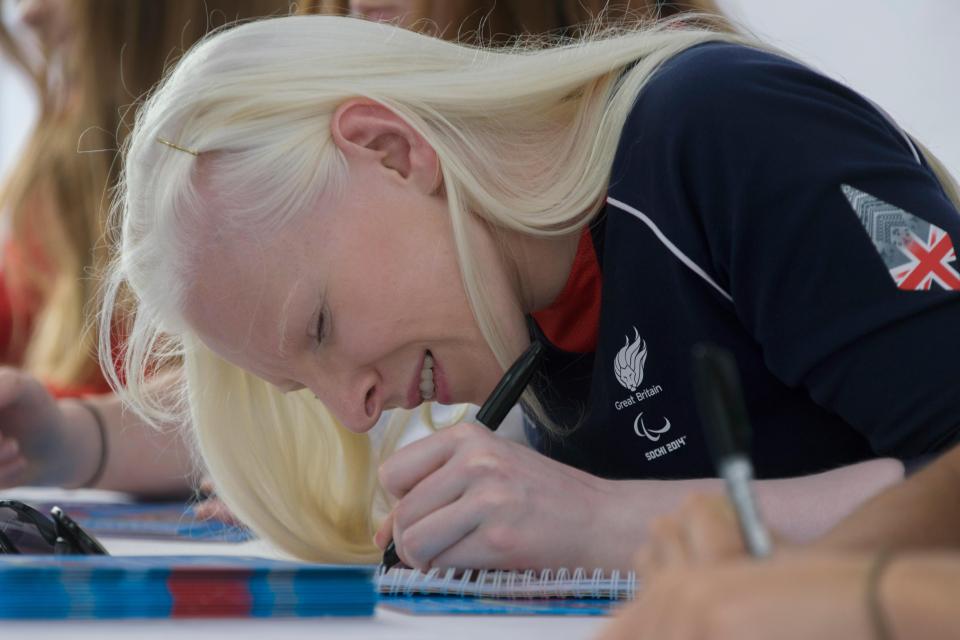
x,y
763,207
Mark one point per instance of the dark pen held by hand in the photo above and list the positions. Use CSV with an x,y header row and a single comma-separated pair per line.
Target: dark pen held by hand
x,y
493,411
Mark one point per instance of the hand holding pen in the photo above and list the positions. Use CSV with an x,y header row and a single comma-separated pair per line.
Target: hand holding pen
x,y
504,396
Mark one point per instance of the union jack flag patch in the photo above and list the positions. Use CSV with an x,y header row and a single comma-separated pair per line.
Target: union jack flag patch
x,y
917,253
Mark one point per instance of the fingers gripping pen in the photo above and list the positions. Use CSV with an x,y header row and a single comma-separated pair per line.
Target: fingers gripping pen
x,y
494,410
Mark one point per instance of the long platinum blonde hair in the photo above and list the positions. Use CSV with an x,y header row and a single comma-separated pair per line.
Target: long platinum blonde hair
x,y
256,101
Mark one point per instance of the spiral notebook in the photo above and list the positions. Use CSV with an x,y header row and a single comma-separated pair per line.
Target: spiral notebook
x,y
546,592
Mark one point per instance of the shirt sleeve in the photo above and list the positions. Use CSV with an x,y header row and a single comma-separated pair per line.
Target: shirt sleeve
x,y
17,308
828,229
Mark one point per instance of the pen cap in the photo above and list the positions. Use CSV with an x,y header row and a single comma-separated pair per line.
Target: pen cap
x,y
716,383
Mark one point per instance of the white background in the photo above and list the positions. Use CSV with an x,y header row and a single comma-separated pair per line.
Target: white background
x,y
903,54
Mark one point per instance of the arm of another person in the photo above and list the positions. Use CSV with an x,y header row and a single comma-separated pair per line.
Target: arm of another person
x,y
795,508
924,512
920,513
796,596
820,591
49,442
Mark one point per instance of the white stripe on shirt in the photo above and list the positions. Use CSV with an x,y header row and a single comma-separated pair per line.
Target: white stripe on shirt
x,y
681,256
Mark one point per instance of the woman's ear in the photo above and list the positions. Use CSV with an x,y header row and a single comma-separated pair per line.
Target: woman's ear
x,y
367,131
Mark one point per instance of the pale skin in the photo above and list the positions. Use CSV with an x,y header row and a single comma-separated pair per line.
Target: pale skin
x,y
795,596
700,584
308,307
48,442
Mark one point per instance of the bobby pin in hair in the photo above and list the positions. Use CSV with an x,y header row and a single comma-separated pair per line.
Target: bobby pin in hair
x,y
174,145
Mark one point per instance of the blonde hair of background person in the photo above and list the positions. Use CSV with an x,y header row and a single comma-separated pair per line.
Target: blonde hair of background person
x,y
98,56
500,21
59,191
281,461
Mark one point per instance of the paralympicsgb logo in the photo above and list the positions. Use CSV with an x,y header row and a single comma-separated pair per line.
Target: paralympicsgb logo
x,y
643,431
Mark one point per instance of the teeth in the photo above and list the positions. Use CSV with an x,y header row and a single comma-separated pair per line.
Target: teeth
x,y
427,389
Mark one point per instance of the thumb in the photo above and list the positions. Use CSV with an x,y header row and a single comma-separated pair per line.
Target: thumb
x,y
12,383
385,532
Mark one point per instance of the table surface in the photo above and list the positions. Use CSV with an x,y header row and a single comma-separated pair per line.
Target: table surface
x,y
384,624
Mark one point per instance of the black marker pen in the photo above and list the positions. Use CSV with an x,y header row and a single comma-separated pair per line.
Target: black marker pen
x,y
493,411
724,416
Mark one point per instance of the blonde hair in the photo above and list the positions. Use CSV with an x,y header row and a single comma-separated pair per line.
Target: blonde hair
x,y
256,102
59,190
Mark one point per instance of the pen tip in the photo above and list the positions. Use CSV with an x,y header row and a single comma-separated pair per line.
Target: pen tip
x,y
390,557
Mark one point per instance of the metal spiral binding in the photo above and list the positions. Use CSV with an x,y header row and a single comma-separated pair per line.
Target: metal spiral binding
x,y
562,583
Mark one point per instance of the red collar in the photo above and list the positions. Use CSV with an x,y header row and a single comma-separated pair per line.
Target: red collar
x,y
572,321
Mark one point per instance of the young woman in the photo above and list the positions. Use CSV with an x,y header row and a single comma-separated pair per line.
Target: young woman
x,y
96,58
44,300
326,218
42,307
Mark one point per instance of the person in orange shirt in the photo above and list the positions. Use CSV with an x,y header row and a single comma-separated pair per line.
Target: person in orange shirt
x,y
93,59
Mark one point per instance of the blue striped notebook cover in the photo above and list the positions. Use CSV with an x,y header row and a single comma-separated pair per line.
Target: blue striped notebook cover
x,y
102,587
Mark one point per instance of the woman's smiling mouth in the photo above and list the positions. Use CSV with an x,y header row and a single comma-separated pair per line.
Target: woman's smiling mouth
x,y
421,388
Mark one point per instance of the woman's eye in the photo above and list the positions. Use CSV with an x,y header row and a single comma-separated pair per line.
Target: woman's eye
x,y
320,321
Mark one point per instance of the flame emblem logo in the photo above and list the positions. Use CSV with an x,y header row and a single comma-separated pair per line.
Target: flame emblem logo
x,y
628,365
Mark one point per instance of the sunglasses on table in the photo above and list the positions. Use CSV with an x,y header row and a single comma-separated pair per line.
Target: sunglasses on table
x,y
23,529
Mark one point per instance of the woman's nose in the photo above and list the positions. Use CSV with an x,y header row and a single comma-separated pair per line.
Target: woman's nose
x,y
357,403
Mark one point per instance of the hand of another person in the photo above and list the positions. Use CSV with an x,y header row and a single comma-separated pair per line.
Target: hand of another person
x,y
43,442
212,507
469,499
794,596
703,531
